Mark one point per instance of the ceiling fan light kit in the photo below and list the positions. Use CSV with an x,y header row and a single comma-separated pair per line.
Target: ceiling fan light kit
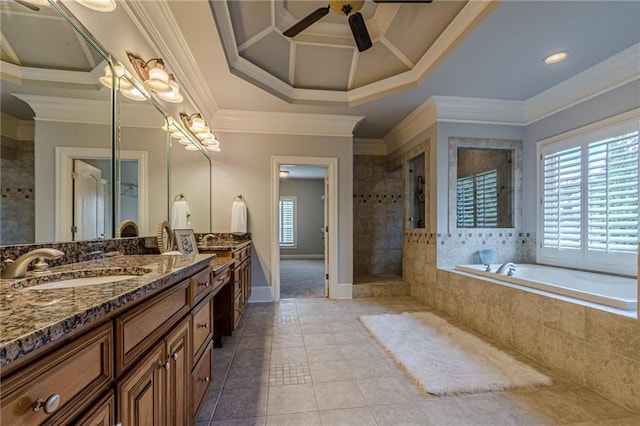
x,y
348,8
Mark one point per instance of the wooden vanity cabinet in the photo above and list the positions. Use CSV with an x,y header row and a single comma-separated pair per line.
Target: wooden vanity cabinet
x,y
157,390
230,301
103,413
54,389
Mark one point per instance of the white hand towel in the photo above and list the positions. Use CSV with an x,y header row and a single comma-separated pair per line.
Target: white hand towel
x,y
180,213
239,217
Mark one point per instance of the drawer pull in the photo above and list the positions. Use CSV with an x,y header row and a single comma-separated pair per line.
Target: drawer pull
x,y
204,284
175,356
205,379
50,405
203,325
166,365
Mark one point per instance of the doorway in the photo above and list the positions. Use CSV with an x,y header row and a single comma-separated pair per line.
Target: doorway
x,y
301,231
303,244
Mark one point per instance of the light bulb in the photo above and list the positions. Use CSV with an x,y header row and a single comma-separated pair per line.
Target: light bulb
x,y
158,80
198,125
174,95
134,94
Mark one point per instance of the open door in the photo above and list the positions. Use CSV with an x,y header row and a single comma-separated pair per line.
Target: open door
x,y
326,234
88,202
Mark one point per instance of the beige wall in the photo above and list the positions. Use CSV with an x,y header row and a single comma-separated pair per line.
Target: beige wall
x,y
243,167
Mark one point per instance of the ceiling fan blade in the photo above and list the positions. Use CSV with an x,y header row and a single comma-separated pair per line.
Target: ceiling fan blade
x,y
305,22
28,5
360,33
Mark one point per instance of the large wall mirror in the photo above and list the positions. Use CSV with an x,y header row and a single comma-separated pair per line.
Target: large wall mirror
x,y
416,192
77,159
485,183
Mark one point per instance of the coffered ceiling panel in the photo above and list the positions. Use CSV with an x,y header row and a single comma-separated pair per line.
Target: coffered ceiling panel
x,y
271,53
310,58
249,18
376,64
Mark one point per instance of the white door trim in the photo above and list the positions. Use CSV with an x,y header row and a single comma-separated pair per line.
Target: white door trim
x,y
64,168
331,164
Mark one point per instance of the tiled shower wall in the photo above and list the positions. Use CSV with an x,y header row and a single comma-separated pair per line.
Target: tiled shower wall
x,y
17,179
377,217
462,247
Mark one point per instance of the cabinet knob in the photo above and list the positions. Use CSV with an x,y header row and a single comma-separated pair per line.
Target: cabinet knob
x,y
205,379
175,356
50,405
166,365
204,325
204,284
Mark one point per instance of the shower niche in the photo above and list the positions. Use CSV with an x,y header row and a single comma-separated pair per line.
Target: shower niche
x,y
416,195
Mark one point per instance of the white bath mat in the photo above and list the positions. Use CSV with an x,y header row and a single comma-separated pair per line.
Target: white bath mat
x,y
443,359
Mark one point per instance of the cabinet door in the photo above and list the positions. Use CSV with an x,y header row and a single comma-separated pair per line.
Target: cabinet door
x,y
142,393
179,375
102,414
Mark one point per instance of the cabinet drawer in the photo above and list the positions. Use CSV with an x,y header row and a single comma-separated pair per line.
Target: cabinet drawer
x,y
72,375
220,280
200,285
202,326
201,378
102,414
138,330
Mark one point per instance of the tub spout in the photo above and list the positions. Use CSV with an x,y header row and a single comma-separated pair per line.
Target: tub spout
x,y
510,267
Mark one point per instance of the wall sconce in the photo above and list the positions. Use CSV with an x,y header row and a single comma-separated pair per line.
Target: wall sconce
x,y
156,79
123,84
284,174
199,128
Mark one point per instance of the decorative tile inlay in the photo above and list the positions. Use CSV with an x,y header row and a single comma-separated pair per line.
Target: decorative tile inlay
x,y
293,373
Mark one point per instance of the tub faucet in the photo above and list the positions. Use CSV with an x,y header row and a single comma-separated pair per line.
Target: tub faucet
x,y
18,268
511,270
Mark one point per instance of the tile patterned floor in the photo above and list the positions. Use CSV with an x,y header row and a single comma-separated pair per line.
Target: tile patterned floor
x,y
310,362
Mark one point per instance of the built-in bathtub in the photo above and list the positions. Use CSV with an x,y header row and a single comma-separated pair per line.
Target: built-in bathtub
x,y
613,291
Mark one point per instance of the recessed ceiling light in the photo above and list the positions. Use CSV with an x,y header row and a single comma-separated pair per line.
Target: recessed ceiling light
x,y
556,57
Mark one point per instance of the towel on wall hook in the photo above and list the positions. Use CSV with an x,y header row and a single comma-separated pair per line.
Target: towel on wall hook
x,y
180,213
239,216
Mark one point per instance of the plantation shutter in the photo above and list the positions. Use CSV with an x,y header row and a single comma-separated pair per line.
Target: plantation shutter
x,y
562,199
613,194
287,219
487,199
465,202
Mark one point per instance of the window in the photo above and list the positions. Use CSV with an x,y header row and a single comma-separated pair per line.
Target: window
x,y
589,200
287,221
477,200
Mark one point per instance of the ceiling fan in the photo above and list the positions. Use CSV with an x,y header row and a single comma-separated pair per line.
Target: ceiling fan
x,y
348,8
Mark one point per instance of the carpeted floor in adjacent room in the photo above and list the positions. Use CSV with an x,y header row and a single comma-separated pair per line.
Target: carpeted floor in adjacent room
x,y
301,278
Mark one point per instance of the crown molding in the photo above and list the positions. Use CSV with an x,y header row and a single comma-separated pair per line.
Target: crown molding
x,y
18,130
150,17
479,110
283,123
21,73
90,111
421,118
619,69
613,72
362,146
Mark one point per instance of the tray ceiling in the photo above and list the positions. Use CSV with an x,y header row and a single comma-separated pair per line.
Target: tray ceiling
x,y
322,65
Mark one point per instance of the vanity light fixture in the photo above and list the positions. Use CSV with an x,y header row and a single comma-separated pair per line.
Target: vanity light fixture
x,y
199,128
152,74
134,94
174,95
555,57
123,84
98,5
284,174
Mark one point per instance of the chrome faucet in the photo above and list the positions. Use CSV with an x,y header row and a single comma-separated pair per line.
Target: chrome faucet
x,y
18,268
511,270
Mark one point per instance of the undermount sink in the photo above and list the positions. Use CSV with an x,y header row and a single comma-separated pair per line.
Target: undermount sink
x,y
80,282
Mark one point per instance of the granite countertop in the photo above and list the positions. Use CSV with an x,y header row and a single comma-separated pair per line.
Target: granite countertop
x,y
217,245
30,319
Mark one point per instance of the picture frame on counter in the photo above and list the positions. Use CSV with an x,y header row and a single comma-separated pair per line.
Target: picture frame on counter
x,y
185,241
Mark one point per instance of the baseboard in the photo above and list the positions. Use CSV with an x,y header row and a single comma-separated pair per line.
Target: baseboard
x,y
302,256
343,291
261,294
